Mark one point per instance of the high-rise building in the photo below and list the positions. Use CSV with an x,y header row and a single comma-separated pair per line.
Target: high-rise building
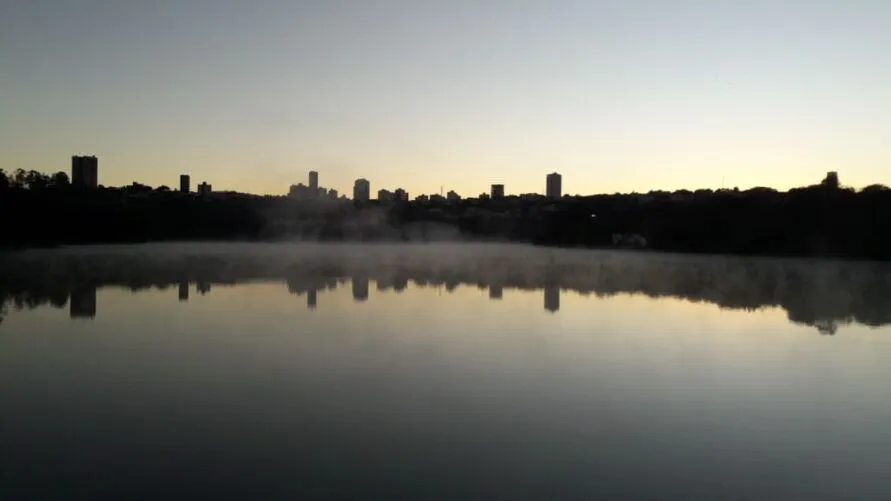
x,y
205,189
384,195
184,183
83,302
360,288
361,190
85,171
400,195
554,185
313,180
497,191
831,180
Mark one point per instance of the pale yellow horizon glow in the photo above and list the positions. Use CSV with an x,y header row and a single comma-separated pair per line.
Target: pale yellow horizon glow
x,y
617,96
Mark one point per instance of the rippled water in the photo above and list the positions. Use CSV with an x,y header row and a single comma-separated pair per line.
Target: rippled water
x,y
440,372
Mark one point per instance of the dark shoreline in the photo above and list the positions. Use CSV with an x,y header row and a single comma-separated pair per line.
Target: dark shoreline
x,y
818,221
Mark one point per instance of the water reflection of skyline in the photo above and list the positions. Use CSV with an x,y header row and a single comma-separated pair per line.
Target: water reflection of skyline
x,y
816,294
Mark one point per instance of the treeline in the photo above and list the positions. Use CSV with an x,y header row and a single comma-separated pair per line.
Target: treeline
x,y
820,220
824,220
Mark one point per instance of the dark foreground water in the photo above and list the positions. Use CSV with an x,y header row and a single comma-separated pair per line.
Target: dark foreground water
x,y
440,372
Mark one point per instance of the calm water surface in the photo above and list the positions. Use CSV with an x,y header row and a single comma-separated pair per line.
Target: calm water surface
x,y
440,372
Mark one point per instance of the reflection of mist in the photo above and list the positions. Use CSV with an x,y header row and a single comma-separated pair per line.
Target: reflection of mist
x,y
825,295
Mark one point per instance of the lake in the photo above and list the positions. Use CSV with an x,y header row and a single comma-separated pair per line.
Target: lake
x,y
446,371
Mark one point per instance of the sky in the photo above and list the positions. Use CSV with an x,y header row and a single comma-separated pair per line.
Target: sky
x,y
616,95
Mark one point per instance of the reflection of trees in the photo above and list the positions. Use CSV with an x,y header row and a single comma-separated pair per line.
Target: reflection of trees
x,y
29,299
821,294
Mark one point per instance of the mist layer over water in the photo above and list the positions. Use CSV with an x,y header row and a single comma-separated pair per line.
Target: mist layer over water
x,y
440,372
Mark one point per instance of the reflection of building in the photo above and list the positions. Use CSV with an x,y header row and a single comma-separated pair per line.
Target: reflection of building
x,y
552,298
85,171
497,191
83,302
311,298
360,288
361,190
184,290
495,292
554,185
203,287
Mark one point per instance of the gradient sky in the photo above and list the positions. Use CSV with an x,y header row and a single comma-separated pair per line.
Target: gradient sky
x,y
617,95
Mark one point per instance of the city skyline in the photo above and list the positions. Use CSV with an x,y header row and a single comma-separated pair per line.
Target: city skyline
x,y
84,172
616,96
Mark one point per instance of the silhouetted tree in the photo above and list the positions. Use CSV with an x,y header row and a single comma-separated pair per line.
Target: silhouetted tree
x,y
875,188
36,180
4,180
60,179
19,178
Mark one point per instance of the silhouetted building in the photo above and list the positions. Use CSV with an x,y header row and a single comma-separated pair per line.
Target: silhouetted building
x,y
497,191
85,171
384,195
302,192
184,290
311,298
552,298
83,302
184,183
831,180
332,194
400,195
362,190
453,196
314,181
495,292
360,288
554,185
205,189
